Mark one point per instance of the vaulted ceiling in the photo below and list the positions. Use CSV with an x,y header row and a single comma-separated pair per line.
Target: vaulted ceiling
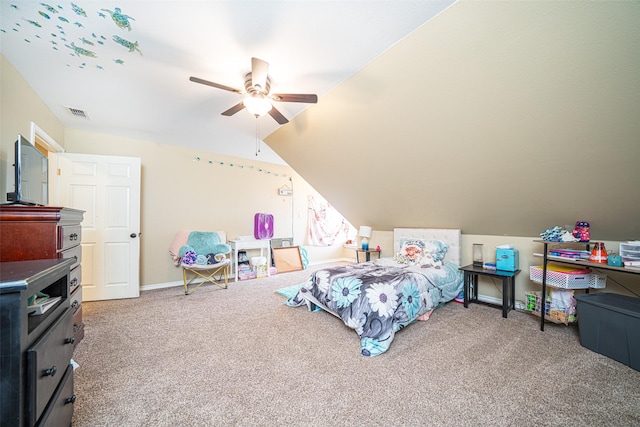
x,y
499,118
124,67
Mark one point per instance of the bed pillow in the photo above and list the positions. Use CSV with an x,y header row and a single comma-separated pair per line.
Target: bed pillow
x,y
427,261
416,249
411,251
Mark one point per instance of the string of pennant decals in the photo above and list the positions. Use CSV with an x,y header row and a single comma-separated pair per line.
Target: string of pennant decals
x,y
240,166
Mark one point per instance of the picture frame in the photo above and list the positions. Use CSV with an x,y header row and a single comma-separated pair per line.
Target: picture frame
x,y
287,259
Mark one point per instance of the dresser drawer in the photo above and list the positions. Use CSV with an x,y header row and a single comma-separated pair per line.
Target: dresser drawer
x,y
75,278
78,327
59,411
76,299
72,252
69,236
47,360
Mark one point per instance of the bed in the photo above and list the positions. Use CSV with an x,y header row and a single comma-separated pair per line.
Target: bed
x,y
378,298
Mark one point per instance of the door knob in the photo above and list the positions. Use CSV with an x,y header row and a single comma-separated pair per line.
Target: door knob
x,y
133,235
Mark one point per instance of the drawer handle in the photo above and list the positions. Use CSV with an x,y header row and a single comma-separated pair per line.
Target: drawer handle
x,y
70,340
74,281
75,304
76,328
73,236
50,372
71,399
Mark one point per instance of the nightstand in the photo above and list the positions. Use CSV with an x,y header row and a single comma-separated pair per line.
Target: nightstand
x,y
367,253
471,273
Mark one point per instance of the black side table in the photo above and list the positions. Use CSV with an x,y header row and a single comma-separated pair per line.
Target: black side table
x,y
367,252
471,273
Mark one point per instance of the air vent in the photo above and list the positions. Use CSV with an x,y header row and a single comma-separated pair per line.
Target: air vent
x,y
78,112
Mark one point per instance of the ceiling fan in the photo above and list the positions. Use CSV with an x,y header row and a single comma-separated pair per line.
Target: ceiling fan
x,y
258,99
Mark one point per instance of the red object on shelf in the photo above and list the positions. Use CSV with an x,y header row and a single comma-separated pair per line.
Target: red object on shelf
x,y
599,253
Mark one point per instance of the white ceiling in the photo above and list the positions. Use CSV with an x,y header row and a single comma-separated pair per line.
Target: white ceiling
x,y
67,52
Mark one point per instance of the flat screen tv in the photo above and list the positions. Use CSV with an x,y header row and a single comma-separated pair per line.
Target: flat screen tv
x,y
31,175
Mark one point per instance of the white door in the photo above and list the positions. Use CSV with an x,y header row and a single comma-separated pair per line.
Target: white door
x,y
107,188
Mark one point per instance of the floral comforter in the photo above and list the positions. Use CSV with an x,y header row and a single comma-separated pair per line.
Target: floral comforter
x,y
379,298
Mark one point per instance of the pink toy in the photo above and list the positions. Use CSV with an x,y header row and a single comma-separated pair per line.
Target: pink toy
x,y
581,231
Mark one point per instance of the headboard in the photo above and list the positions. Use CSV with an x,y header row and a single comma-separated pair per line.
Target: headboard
x,y
448,235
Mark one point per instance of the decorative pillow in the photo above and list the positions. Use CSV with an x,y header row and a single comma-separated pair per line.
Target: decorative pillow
x,y
203,243
189,258
400,259
215,258
427,261
411,250
436,249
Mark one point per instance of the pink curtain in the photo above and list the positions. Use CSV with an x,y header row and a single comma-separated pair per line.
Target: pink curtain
x,y
326,226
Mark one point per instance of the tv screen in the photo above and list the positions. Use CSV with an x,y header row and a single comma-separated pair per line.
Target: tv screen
x,y
31,175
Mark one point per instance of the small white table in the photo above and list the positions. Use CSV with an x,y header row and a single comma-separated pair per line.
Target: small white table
x,y
238,245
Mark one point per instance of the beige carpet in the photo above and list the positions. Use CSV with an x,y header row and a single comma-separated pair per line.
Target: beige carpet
x,y
240,357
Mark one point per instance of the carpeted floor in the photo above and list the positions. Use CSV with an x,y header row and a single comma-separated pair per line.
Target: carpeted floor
x,y
240,357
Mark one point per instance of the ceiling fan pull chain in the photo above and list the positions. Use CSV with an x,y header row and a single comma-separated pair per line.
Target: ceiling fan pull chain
x,y
257,138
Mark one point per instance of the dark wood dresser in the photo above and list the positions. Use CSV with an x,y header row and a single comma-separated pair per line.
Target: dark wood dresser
x,y
36,375
45,232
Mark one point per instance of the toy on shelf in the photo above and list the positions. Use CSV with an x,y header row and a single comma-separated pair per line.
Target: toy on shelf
x,y
557,234
581,231
599,253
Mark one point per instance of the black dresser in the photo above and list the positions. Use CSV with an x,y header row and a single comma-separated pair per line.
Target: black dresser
x,y
36,376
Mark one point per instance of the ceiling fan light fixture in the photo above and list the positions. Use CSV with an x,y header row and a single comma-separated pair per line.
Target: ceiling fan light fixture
x,y
258,106
257,94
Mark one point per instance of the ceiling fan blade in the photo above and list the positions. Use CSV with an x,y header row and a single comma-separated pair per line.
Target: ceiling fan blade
x,y
216,85
259,69
277,115
231,111
295,97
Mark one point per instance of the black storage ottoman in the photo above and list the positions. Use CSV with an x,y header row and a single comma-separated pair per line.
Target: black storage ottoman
x,y
609,324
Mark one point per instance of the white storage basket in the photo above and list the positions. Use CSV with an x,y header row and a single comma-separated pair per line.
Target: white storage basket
x,y
569,281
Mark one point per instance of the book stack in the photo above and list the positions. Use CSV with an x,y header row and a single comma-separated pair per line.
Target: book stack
x,y
570,254
489,266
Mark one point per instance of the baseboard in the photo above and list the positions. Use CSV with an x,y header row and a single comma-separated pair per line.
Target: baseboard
x,y
490,300
155,286
498,301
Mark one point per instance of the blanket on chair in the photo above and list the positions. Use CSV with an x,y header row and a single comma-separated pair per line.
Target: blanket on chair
x,y
201,245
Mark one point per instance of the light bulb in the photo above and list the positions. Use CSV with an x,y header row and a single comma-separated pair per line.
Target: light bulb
x,y
257,105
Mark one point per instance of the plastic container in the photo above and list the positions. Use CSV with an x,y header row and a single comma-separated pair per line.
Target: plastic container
x,y
569,281
609,324
259,264
552,313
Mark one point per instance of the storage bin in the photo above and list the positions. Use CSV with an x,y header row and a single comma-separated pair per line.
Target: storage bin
x,y
630,250
609,324
259,264
246,273
564,315
568,281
